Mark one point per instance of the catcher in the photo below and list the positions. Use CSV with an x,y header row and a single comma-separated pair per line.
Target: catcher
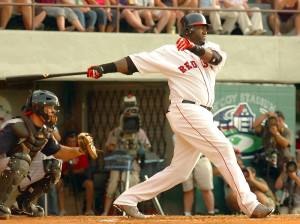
x,y
29,155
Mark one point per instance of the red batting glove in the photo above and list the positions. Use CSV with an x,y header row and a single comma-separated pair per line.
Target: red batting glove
x,y
94,72
184,44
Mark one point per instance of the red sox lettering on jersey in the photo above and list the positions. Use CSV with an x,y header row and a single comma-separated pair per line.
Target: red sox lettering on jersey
x,y
188,76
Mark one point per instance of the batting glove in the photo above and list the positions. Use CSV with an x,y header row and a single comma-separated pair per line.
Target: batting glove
x,y
184,44
94,72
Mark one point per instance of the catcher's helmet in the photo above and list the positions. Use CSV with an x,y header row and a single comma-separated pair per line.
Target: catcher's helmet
x,y
190,20
38,100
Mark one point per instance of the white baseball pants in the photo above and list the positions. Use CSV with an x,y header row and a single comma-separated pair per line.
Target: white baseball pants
x,y
195,134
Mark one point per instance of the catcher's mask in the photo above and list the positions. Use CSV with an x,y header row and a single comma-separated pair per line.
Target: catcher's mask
x,y
37,101
189,21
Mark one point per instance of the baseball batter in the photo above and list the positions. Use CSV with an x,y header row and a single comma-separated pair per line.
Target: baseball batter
x,y
191,67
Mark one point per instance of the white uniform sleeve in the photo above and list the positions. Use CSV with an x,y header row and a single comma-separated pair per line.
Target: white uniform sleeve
x,y
151,62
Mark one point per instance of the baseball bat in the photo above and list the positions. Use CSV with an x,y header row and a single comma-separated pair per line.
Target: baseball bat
x,y
36,77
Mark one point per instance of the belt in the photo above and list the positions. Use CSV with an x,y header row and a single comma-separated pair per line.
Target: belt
x,y
192,102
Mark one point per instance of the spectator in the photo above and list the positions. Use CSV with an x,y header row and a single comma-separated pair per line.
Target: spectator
x,y
86,16
247,26
175,16
76,171
202,177
119,139
133,18
61,14
289,182
276,143
216,16
150,16
25,11
5,13
285,22
106,17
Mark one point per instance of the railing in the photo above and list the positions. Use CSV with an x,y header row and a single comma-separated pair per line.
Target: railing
x,y
119,7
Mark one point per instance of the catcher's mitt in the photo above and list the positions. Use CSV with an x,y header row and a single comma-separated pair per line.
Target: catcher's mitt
x,y
86,144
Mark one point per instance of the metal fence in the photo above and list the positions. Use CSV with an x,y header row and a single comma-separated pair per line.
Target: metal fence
x,y
34,5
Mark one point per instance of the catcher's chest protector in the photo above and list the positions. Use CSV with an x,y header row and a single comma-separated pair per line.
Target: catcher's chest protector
x,y
29,137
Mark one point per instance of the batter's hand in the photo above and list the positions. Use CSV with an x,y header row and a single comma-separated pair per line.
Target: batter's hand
x,y
94,72
184,44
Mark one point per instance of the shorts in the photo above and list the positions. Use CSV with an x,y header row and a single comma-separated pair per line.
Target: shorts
x,y
76,180
201,176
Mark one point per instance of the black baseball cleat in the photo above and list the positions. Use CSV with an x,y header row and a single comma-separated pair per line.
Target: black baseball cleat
x,y
261,211
5,212
26,207
131,211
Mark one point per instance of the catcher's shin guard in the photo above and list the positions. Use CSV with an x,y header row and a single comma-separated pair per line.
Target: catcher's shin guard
x,y
17,169
33,192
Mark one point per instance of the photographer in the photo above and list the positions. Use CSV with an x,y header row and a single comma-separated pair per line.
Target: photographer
x,y
276,143
289,182
260,187
132,140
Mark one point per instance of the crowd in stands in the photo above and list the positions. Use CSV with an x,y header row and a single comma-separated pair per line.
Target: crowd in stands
x,y
88,17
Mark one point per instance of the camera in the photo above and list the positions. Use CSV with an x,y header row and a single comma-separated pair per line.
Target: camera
x,y
291,166
130,120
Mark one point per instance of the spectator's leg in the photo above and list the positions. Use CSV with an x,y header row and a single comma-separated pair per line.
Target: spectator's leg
x,y
171,22
111,26
111,189
80,16
61,197
59,14
256,20
5,14
73,19
179,15
26,12
163,19
147,16
204,178
230,20
274,24
91,19
215,20
244,21
89,188
134,20
262,198
209,201
188,201
39,18
101,19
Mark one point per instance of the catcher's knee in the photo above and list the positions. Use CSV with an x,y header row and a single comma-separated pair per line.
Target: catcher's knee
x,y
17,167
52,168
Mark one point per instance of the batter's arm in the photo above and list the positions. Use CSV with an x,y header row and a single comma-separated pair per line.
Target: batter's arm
x,y
124,65
207,55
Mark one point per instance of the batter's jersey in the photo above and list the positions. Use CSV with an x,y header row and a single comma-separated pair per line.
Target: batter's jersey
x,y
189,78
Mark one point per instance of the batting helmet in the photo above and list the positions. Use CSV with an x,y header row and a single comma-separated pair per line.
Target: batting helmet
x,y
190,20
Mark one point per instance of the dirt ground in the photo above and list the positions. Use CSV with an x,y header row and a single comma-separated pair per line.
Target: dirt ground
x,y
275,219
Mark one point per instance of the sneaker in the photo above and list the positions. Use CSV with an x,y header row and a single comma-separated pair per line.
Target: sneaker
x,y
261,211
259,32
131,211
5,212
89,212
